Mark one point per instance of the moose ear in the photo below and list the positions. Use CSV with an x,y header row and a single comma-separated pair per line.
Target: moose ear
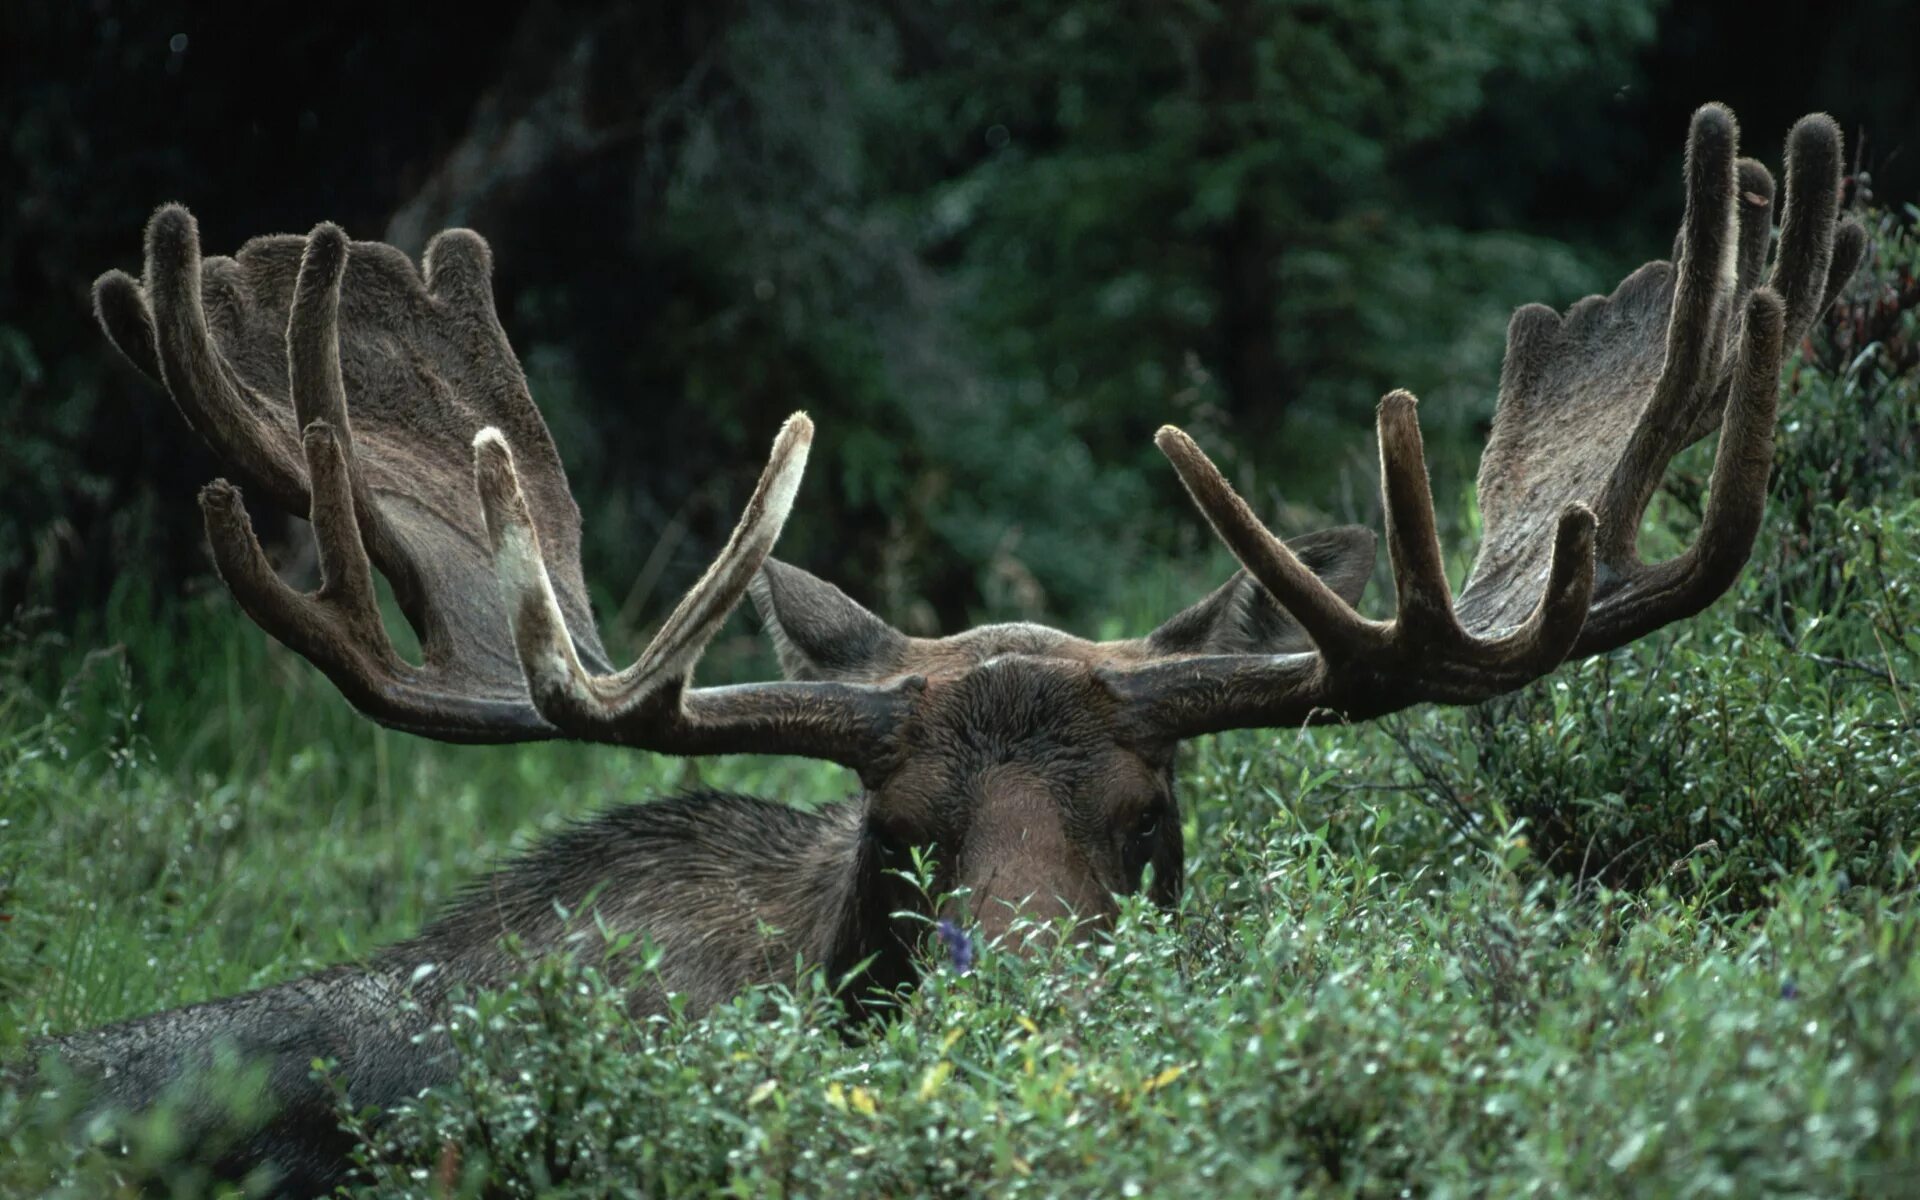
x,y
1241,617
819,632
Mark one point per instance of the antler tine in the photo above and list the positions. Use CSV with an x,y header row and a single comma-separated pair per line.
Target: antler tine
x,y
1737,490
1426,631
603,706
345,604
346,594
320,408
346,573
1801,272
1330,621
1849,247
122,311
1736,499
1753,210
1424,618
1543,641
1706,274
338,626
1423,601
243,566
198,377
1424,652
313,334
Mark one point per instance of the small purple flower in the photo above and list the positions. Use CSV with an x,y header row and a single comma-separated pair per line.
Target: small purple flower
x,y
1788,991
959,945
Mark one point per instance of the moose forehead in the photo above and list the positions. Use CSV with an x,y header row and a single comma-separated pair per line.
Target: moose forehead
x,y
1043,727
1020,706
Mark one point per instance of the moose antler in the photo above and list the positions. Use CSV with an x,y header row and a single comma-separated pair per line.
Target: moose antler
x,y
261,351
1592,408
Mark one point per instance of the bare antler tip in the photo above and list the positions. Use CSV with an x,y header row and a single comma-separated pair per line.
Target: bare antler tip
x,y
501,505
493,465
789,463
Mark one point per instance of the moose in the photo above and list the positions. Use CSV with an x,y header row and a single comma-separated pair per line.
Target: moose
x,y
384,404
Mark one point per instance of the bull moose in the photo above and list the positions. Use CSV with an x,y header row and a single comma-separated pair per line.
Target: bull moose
x,y
385,405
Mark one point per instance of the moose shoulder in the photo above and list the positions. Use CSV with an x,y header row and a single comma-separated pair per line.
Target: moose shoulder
x,y
384,403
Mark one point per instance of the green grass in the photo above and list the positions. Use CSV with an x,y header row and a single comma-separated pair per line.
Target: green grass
x,y
1649,928
1365,991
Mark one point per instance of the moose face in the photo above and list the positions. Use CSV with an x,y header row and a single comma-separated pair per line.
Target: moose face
x,y
1018,773
1020,766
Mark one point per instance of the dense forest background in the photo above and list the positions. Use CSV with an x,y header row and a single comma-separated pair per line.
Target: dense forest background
x,y
989,246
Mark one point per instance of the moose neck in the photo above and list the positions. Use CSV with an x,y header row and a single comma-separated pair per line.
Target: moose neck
x,y
877,925
732,889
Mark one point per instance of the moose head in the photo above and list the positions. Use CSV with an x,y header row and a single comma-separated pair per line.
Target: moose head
x,y
1047,790
386,406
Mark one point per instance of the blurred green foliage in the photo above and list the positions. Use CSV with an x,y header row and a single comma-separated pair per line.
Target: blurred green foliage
x,y
990,247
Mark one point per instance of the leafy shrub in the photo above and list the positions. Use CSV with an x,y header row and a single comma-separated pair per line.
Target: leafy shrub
x,y
1334,1031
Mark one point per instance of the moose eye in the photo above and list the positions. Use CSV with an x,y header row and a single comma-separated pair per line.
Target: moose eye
x,y
1141,839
